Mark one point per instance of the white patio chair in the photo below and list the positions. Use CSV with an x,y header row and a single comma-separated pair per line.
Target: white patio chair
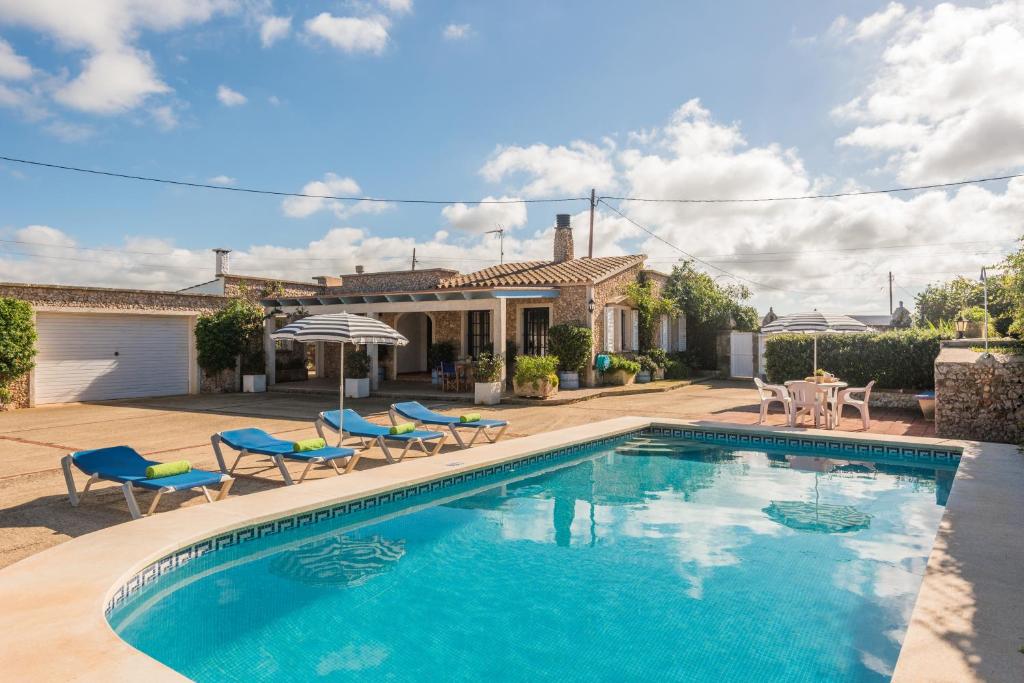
x,y
809,398
846,399
771,393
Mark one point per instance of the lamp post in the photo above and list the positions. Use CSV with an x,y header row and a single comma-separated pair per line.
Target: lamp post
x,y
961,326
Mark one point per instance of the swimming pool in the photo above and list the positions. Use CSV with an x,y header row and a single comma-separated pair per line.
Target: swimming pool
x,y
666,554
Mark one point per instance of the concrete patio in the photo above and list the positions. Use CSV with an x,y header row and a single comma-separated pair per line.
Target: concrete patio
x,y
35,513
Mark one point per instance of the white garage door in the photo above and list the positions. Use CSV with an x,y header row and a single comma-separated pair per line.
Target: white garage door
x,y
92,357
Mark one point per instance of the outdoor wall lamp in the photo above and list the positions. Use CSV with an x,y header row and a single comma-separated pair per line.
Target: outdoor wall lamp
x,y
961,326
590,305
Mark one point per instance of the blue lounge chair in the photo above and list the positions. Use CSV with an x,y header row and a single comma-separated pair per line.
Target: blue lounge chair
x,y
125,466
420,414
368,433
257,442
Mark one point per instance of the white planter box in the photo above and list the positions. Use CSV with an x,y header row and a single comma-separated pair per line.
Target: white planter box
x,y
254,384
487,393
357,388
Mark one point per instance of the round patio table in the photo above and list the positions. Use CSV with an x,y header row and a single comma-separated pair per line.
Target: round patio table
x,y
833,394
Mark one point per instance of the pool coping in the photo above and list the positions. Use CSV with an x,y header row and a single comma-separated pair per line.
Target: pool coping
x,y
49,609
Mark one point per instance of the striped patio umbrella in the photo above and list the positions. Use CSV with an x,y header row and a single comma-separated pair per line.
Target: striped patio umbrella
x,y
341,328
815,323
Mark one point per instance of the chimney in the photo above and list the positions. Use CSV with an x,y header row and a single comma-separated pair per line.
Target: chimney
x,y
563,238
222,262
359,270
328,280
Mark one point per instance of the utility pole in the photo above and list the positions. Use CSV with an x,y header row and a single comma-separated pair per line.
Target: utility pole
x,y
500,232
414,258
890,293
593,205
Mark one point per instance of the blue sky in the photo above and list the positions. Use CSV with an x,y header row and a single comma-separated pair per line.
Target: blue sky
x,y
517,100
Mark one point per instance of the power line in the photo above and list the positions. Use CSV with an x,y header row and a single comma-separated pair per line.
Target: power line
x,y
280,193
834,195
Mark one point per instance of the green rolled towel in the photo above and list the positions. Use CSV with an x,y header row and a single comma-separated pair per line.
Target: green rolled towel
x,y
168,469
308,445
403,428
469,417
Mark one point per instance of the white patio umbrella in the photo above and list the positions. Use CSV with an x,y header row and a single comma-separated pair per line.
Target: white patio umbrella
x,y
341,328
815,323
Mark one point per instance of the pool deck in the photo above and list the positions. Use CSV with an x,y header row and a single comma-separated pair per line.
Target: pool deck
x,y
967,624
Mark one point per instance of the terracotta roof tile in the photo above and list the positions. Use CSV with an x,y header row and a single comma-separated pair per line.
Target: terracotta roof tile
x,y
532,273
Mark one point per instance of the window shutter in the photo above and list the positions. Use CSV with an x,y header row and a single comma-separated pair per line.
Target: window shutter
x,y
609,329
635,346
681,342
664,333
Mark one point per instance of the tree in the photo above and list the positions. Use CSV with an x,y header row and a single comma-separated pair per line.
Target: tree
x,y
649,308
233,331
1014,281
944,302
17,343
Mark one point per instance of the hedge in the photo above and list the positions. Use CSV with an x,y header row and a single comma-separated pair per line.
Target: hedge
x,y
900,359
17,343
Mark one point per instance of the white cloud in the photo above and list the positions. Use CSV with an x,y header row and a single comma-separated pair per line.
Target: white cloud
x,y
12,65
273,29
947,101
69,132
456,31
229,97
222,180
878,23
332,185
351,34
165,117
115,75
396,6
480,218
274,100
553,170
112,83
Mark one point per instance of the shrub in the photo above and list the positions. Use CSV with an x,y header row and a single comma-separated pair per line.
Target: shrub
x,y
900,359
17,343
233,331
572,344
647,363
357,364
535,369
488,367
617,363
440,352
659,357
680,365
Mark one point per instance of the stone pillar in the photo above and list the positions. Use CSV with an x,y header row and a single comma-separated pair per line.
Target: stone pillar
x,y
269,350
372,351
319,359
498,325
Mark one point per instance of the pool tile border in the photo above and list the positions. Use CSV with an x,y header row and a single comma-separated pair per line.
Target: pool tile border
x,y
194,551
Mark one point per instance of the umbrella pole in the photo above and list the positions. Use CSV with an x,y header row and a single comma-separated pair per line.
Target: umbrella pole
x,y
341,393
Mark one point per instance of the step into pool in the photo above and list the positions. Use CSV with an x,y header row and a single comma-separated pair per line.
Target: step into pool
x,y
661,555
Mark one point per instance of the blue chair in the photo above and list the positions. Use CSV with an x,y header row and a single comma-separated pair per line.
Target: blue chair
x,y
368,432
253,441
419,413
125,466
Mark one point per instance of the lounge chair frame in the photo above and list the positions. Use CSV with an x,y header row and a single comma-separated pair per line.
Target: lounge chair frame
x,y
128,490
278,460
481,430
380,441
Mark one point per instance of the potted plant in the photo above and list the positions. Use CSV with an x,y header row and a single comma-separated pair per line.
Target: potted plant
x,y
621,371
572,344
535,376
647,368
822,376
437,353
487,379
357,374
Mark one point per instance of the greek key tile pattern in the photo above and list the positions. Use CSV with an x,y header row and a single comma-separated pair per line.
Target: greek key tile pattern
x,y
839,447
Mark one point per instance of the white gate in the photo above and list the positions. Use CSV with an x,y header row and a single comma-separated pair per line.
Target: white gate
x,y
741,354
761,368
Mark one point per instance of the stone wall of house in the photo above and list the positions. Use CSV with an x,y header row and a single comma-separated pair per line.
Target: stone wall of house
x,y
569,307
254,288
606,291
979,397
59,296
19,394
447,326
397,281
223,382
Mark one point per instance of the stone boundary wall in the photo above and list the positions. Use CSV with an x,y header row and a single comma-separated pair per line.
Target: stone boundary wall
x,y
979,397
397,281
256,288
60,296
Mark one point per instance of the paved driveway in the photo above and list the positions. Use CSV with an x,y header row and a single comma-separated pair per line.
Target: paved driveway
x,y
35,514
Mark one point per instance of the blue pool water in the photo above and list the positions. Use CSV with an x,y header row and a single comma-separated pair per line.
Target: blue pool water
x,y
647,559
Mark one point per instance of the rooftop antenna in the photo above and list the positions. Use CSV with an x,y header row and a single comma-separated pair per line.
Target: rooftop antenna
x,y
500,232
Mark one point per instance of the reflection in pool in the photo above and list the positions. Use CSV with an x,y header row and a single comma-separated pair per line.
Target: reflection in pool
x,y
653,559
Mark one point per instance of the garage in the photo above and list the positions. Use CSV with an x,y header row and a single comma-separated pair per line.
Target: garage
x,y
99,356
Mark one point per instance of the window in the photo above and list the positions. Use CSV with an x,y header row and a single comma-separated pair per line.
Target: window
x,y
623,331
478,330
535,331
